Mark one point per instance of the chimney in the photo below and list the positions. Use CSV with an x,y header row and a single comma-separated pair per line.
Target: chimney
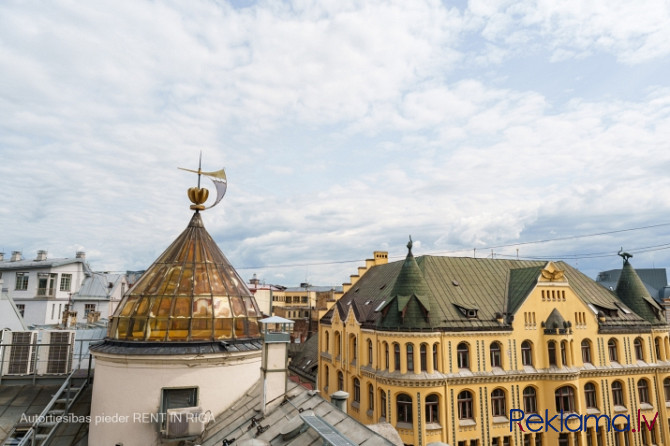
x,y
339,400
81,254
41,255
16,256
274,363
254,280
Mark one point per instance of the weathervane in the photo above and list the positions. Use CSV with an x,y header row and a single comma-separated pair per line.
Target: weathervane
x,y
199,195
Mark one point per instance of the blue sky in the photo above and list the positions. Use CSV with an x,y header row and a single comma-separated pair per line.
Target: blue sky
x,y
343,127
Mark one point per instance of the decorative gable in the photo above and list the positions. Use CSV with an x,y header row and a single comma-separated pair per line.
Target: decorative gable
x,y
551,273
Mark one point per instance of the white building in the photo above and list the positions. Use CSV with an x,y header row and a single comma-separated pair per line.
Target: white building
x,y
99,295
41,287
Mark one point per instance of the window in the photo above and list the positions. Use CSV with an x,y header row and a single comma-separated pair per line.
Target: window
x,y
357,391
65,282
526,353
386,355
617,393
371,397
21,281
496,355
564,353
612,350
643,391
666,389
463,356
382,403
529,400
410,358
396,355
422,355
435,348
565,399
326,377
22,309
337,345
404,407
538,439
326,340
639,350
176,398
88,308
498,406
551,348
432,409
657,347
370,356
340,381
590,396
586,351
354,348
465,405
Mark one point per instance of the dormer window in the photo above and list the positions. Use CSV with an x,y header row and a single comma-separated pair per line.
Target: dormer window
x,y
470,313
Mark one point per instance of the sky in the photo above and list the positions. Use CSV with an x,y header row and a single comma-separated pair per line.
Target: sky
x,y
487,128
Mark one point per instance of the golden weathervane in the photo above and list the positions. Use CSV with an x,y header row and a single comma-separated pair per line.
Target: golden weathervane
x,y
199,195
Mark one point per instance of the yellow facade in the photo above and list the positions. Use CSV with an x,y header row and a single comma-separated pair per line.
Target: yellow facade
x,y
465,388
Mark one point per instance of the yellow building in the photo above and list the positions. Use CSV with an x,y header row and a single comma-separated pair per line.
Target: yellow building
x,y
478,352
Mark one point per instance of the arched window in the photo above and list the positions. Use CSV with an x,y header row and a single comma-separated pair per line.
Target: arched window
x,y
529,400
326,376
612,350
617,393
357,391
498,405
639,349
565,399
354,348
590,396
463,356
526,353
586,351
371,397
404,408
410,358
423,357
666,389
657,347
396,356
382,403
465,406
432,409
643,391
564,353
551,349
326,339
386,355
337,344
496,354
435,362
370,356
340,381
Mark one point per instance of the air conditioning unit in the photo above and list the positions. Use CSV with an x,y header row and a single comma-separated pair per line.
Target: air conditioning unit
x,y
184,422
56,352
19,354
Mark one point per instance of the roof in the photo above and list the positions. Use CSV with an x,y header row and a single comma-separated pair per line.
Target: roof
x,y
654,279
98,286
7,265
305,361
190,293
633,293
316,288
243,421
489,286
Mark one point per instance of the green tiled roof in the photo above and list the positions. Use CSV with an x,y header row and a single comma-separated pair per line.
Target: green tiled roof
x,y
491,286
635,295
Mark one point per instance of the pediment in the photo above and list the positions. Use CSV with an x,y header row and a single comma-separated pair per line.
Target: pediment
x,y
552,273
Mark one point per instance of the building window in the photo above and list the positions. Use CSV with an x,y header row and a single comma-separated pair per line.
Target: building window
x,y
422,355
565,399
435,363
551,348
529,400
496,354
370,356
586,351
65,282
382,403
88,308
177,398
340,381
538,439
371,397
326,340
432,409
526,353
617,393
326,377
396,355
337,343
666,389
463,356
643,391
564,353
612,350
22,309
657,347
354,348
465,406
386,355
410,358
404,408
590,396
498,406
639,349
357,391
21,282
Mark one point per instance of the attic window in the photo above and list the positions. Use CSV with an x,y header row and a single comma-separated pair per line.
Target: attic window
x,y
622,308
470,313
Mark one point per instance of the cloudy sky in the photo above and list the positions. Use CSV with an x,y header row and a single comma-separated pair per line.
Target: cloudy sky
x,y
477,127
